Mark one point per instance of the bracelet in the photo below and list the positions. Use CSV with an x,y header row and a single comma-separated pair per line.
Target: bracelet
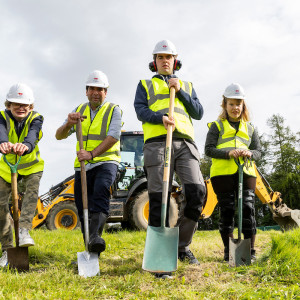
x,y
91,154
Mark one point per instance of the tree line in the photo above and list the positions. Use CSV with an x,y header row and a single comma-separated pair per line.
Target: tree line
x,y
280,166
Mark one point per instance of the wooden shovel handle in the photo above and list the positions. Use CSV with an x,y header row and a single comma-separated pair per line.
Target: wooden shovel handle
x,y
169,137
14,195
167,161
82,166
15,199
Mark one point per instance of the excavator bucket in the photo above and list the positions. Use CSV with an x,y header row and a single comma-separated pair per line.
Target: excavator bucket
x,y
287,218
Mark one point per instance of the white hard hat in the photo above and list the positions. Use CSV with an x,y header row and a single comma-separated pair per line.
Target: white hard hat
x,y
234,91
165,46
20,93
97,78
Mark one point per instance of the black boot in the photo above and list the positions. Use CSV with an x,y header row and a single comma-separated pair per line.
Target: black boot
x,y
96,242
225,238
253,252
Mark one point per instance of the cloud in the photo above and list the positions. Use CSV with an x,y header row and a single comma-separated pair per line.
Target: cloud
x,y
53,45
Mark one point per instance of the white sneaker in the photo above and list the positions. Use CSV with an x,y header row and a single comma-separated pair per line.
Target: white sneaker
x,y
3,259
25,240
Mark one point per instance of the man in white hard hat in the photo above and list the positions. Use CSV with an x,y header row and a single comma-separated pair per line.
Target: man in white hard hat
x,y
20,132
151,106
101,130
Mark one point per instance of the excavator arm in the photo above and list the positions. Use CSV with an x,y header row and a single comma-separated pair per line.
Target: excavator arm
x,y
284,216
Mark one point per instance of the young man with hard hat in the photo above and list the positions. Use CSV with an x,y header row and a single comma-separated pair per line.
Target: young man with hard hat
x,y
101,130
151,106
230,137
20,132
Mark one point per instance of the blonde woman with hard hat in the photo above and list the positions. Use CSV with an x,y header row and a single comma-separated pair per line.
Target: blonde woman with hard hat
x,y
20,132
231,137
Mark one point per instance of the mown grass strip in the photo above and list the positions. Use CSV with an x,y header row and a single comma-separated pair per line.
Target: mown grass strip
x,y
54,276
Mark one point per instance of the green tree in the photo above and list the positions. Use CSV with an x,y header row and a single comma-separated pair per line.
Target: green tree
x,y
205,164
285,156
263,215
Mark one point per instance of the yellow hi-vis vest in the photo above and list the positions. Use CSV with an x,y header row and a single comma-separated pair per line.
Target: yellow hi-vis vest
x,y
230,139
30,163
94,132
158,96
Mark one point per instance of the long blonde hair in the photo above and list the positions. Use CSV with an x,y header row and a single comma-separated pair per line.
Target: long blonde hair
x,y
245,116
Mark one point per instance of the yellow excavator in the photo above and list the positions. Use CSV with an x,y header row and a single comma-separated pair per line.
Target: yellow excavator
x,y
285,217
129,203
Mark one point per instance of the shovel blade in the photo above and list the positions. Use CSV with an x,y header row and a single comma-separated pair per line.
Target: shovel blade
x,y
18,258
88,264
239,252
161,249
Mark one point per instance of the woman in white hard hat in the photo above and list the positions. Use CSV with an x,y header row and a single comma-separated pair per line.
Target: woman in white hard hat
x,y
20,132
231,137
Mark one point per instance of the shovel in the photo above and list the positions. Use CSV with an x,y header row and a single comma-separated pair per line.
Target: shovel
x,y
239,250
161,247
17,257
88,264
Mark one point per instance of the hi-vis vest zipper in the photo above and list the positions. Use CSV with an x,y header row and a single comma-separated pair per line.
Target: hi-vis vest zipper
x,y
158,96
230,139
30,163
93,133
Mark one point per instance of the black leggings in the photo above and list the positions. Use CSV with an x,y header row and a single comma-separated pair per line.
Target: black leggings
x,y
229,183
226,189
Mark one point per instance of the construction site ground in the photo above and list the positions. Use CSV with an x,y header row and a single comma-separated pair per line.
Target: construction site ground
x,y
53,274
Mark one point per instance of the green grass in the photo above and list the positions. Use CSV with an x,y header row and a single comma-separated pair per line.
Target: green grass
x,y
53,276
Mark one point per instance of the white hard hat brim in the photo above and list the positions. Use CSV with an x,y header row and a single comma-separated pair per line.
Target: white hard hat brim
x,y
98,85
164,52
234,97
21,101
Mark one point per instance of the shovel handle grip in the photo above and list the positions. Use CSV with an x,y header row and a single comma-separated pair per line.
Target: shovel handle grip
x,y
13,168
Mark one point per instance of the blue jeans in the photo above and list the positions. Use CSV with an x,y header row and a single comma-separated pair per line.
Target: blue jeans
x,y
99,180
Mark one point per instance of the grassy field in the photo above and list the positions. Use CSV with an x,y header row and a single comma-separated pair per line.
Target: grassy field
x,y
53,274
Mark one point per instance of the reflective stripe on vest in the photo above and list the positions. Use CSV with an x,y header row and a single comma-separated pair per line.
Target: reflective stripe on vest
x,y
158,96
29,163
94,132
246,141
230,139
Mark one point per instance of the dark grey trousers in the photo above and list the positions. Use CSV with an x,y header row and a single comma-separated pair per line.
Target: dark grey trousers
x,y
185,162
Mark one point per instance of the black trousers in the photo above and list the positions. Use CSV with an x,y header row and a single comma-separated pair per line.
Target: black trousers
x,y
226,189
99,180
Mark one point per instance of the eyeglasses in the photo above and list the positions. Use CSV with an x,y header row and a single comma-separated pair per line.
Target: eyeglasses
x,y
18,105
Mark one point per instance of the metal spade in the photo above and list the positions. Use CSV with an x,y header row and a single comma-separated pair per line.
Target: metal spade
x,y
17,257
239,250
88,264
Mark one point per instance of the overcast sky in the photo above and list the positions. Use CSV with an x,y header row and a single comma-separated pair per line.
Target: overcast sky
x,y
53,45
